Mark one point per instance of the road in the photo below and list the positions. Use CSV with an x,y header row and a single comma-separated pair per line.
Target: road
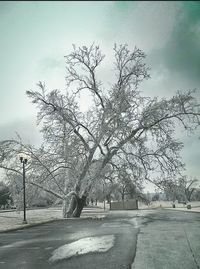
x,y
114,240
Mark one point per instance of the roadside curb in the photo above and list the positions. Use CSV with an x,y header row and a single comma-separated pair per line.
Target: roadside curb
x,y
27,226
187,211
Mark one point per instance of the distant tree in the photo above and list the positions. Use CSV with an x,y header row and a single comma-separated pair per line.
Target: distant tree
x,y
182,189
196,195
120,126
5,195
155,197
144,198
187,187
127,185
171,190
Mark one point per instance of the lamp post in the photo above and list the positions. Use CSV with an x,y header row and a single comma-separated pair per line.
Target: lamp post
x,y
23,160
104,207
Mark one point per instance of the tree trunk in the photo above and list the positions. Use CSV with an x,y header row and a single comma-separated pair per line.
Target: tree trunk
x,y
79,206
65,207
76,206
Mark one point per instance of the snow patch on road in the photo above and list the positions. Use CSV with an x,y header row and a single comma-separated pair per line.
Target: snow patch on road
x,y
115,225
135,222
14,245
83,246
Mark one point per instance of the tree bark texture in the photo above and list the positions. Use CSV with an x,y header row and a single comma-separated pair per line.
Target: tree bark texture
x,y
76,206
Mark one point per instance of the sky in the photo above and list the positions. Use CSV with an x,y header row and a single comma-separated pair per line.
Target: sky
x,y
35,36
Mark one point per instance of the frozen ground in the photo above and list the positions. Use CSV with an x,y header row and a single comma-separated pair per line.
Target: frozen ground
x,y
147,239
168,204
13,219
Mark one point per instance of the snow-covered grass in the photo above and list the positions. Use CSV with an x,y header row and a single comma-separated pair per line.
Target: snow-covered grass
x,y
14,219
167,204
83,246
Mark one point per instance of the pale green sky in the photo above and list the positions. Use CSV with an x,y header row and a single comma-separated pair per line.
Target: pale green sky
x,y
35,36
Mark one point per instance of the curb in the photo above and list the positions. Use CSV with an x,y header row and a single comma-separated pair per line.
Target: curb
x,y
27,226
187,211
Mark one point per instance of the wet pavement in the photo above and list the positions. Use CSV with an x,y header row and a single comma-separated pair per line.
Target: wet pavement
x,y
34,247
139,239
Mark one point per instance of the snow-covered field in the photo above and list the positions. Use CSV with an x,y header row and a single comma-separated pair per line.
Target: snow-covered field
x,y
168,204
14,219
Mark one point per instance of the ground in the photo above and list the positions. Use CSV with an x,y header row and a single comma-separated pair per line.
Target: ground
x,y
138,239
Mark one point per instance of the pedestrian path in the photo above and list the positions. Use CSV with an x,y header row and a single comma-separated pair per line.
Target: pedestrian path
x,y
193,209
169,240
195,206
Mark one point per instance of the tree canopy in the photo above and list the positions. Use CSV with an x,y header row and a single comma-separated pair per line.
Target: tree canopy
x,y
82,148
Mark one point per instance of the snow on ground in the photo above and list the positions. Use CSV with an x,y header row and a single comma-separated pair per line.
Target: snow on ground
x,y
14,219
168,204
134,222
83,246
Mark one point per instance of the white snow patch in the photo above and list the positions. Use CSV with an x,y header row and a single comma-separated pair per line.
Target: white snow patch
x,y
22,243
14,245
115,225
135,223
83,246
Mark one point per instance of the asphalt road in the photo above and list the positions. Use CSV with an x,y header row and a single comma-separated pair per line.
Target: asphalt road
x,y
32,248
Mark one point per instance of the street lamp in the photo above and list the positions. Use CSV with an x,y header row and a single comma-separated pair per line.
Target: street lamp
x,y
104,207
24,160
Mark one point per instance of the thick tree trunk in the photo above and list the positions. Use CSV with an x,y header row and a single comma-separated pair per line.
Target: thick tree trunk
x,y
79,206
65,207
76,206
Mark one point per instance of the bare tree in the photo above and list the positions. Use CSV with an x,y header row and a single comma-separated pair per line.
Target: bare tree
x,y
45,170
121,125
181,189
186,187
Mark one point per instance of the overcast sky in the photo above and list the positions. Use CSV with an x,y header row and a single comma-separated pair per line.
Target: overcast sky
x,y
35,36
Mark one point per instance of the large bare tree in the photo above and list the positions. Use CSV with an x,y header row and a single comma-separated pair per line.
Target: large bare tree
x,y
120,126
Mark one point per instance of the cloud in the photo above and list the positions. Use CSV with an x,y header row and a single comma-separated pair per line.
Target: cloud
x,y
145,24
191,154
178,61
26,128
183,46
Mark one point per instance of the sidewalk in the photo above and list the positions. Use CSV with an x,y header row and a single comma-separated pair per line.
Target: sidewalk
x,y
172,244
193,209
168,205
11,220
